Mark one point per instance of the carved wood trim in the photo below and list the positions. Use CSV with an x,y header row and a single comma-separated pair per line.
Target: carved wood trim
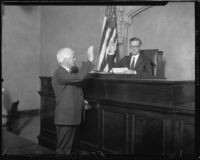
x,y
127,21
120,21
130,15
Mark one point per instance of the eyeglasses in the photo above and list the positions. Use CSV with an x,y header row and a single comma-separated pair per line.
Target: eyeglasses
x,y
134,47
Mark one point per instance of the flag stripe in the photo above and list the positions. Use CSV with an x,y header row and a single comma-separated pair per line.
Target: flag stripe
x,y
104,22
104,33
105,50
107,26
103,54
110,39
103,47
109,33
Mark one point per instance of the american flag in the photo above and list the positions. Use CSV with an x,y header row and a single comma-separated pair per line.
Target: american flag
x,y
109,33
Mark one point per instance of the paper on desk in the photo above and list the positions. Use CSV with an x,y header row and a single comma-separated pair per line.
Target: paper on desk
x,y
100,72
119,70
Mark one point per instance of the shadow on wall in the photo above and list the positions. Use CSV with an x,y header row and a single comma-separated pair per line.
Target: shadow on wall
x,y
21,123
7,100
28,9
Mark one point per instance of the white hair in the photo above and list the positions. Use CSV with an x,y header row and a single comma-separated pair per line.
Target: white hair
x,y
64,53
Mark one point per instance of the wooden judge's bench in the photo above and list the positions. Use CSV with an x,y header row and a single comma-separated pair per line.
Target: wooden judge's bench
x,y
130,114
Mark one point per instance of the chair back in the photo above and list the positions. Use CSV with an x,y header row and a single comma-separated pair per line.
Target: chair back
x,y
156,60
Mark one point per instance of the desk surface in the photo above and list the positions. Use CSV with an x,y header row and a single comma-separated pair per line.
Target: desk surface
x,y
14,144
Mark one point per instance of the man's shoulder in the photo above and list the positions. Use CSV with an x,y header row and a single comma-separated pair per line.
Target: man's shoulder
x,y
60,70
124,58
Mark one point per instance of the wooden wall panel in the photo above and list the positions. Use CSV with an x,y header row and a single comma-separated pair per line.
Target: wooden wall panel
x,y
184,94
149,136
138,117
188,139
114,131
89,128
138,93
48,115
186,123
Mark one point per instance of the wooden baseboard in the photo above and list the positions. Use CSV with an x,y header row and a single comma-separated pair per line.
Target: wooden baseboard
x,y
32,112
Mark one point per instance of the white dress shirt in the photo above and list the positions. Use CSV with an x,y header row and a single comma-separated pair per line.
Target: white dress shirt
x,y
136,58
66,68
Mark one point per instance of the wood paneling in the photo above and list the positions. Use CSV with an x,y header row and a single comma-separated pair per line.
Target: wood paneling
x,y
149,136
148,117
89,127
114,131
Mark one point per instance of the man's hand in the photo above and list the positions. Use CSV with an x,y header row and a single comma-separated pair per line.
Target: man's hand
x,y
90,53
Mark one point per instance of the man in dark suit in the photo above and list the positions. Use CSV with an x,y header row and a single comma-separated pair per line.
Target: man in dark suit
x,y
136,62
68,93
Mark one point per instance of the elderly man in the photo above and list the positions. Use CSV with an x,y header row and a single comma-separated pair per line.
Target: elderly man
x,y
68,93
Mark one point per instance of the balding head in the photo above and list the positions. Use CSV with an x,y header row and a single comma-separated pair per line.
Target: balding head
x,y
64,54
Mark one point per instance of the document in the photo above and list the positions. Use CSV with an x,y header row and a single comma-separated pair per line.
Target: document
x,y
119,70
124,70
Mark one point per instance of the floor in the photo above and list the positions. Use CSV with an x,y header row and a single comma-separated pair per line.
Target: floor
x,y
28,127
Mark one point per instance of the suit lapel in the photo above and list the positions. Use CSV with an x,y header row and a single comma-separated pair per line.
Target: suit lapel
x,y
139,61
129,60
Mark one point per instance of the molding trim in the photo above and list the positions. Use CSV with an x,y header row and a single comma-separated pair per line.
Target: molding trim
x,y
25,113
130,15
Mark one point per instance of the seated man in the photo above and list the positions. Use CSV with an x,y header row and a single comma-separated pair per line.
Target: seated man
x,y
136,62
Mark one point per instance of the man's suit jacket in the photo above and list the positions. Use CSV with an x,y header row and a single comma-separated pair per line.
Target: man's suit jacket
x,y
142,66
68,93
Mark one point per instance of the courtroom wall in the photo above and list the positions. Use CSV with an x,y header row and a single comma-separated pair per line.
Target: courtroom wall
x,y
31,36
20,55
170,29
76,27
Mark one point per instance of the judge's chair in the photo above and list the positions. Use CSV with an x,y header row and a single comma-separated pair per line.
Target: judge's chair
x,y
156,61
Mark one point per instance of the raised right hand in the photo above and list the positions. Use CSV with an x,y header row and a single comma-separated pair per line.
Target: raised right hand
x,y
90,53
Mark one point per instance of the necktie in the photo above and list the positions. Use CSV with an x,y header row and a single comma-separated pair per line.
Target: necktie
x,y
133,62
